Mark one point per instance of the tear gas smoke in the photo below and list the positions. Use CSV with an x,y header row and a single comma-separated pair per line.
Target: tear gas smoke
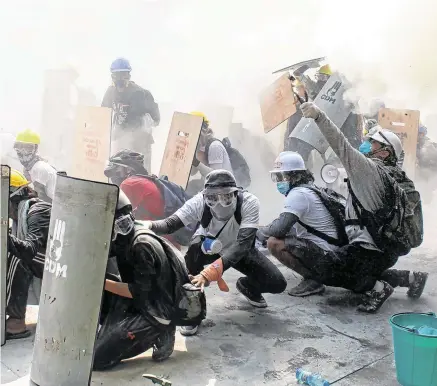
x,y
192,51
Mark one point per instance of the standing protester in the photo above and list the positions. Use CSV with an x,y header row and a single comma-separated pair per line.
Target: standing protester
x,y
26,250
225,238
383,217
36,169
137,312
151,198
135,112
310,227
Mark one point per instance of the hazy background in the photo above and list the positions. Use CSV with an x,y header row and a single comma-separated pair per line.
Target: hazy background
x,y
220,51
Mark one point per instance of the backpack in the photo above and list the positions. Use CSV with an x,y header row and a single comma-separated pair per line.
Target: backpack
x,y
239,165
190,301
174,198
335,203
207,215
397,227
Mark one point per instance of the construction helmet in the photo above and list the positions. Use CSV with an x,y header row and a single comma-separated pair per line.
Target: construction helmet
x,y
388,138
28,136
288,161
17,183
325,70
121,65
200,114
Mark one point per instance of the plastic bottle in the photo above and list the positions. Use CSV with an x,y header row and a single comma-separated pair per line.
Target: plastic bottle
x,y
310,379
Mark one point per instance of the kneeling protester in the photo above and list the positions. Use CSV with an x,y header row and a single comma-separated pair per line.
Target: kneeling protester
x,y
228,219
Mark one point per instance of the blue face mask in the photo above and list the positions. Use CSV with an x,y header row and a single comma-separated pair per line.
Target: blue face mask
x,y
365,147
283,187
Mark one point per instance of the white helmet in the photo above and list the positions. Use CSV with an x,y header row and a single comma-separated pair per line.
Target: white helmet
x,y
288,161
389,138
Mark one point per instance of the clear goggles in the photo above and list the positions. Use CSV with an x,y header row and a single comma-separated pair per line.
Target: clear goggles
x,y
24,148
280,177
225,199
123,226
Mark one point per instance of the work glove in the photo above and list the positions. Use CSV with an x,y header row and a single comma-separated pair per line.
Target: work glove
x,y
195,162
214,272
310,110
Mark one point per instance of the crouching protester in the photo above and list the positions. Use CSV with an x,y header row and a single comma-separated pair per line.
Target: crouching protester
x,y
310,228
383,217
26,250
154,295
225,238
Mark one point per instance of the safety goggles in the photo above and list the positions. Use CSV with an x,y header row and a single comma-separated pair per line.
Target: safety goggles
x,y
121,75
280,177
123,226
24,148
321,77
225,199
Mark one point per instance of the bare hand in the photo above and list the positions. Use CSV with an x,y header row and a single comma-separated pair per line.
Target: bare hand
x,y
199,281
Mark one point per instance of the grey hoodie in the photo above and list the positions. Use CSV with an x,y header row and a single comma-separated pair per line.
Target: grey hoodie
x,y
366,180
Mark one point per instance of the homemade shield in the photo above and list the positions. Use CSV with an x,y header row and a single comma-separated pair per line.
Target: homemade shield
x,y
76,256
330,100
4,225
180,148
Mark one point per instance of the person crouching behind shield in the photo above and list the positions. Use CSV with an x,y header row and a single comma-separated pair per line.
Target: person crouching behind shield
x,y
26,254
225,238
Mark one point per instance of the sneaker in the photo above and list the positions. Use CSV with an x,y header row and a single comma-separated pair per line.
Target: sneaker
x,y
307,287
188,330
254,300
416,288
373,300
164,346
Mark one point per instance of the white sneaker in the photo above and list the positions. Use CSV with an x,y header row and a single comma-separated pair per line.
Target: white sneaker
x,y
188,330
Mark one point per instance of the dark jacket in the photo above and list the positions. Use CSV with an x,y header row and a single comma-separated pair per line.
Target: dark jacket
x,y
35,242
150,277
131,105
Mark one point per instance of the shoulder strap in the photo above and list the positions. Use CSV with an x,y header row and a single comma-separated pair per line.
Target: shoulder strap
x,y
207,215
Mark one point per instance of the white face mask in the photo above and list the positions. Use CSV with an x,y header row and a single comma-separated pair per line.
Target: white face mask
x,y
224,213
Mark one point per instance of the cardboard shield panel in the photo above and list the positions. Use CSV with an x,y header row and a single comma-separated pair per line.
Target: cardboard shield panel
x,y
77,251
92,143
4,227
330,100
180,148
277,103
405,123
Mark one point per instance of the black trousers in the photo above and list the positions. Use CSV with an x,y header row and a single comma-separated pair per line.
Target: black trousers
x,y
18,279
125,332
262,276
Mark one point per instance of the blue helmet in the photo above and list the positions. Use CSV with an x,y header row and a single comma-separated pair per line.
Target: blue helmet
x,y
121,65
423,130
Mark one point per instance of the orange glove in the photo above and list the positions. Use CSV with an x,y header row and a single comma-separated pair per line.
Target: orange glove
x,y
214,272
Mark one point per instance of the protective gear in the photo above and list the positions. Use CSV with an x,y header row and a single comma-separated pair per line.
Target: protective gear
x,y
288,161
214,272
423,130
225,199
283,187
128,158
28,136
365,147
220,181
124,221
224,213
17,183
388,138
310,110
370,124
202,115
325,70
120,65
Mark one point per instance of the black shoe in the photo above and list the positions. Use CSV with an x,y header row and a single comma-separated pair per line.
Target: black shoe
x,y
254,300
416,288
164,346
307,287
373,300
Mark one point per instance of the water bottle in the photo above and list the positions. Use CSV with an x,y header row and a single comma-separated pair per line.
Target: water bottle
x,y
211,246
310,379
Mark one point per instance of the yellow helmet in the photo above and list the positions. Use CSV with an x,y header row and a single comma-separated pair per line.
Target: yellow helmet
x,y
28,136
325,70
200,114
17,182
297,83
